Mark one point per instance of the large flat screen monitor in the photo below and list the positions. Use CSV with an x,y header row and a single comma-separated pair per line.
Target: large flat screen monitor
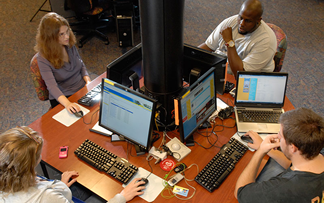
x,y
196,104
127,113
194,58
131,62
202,60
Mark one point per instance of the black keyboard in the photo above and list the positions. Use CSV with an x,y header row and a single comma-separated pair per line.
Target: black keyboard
x,y
215,172
103,160
92,97
259,116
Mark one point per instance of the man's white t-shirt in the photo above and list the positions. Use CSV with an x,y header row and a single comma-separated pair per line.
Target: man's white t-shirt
x,y
256,49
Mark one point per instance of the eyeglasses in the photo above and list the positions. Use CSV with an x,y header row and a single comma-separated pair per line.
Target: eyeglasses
x,y
30,136
65,33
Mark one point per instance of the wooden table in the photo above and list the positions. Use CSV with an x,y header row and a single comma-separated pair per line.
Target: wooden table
x,y
56,134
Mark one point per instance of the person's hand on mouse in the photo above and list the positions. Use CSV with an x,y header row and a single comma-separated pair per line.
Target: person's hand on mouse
x,y
257,140
133,189
65,177
72,107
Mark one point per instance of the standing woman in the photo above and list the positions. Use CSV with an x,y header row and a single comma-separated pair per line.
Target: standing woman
x,y
59,62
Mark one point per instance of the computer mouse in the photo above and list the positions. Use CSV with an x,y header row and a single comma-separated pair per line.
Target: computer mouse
x,y
145,180
246,138
79,114
175,146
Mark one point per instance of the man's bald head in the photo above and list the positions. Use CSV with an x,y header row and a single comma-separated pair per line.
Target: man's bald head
x,y
253,6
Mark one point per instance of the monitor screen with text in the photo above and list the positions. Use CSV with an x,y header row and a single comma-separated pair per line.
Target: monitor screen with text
x,y
197,104
127,113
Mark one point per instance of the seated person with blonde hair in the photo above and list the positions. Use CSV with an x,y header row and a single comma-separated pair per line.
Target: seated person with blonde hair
x,y
20,153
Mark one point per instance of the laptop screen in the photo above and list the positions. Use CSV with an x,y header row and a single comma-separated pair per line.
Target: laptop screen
x,y
255,89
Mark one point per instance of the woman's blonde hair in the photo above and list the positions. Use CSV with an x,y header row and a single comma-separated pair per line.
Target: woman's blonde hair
x,y
20,151
47,38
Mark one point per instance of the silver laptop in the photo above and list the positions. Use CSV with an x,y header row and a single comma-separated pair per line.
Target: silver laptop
x,y
259,100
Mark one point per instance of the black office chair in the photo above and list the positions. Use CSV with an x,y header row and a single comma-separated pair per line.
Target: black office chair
x,y
89,19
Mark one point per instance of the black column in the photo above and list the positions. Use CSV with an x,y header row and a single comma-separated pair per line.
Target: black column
x,y
162,50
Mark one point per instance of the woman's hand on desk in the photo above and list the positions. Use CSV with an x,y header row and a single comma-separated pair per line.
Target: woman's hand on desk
x,y
65,177
71,107
133,189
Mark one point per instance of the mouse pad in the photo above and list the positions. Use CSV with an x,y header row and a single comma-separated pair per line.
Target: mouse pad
x,y
154,186
68,119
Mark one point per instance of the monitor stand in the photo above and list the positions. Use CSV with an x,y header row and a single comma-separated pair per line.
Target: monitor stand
x,y
139,150
190,141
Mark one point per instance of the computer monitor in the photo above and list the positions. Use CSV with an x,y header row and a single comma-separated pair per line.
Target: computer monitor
x,y
196,104
201,61
127,113
123,67
193,58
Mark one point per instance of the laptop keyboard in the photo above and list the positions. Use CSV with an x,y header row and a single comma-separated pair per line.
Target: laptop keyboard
x,y
258,116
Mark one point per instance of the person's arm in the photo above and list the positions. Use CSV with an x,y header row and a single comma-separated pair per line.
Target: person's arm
x,y
205,47
84,71
87,79
280,158
233,58
250,172
277,155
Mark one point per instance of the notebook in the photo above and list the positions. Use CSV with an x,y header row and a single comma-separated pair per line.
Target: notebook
x,y
262,93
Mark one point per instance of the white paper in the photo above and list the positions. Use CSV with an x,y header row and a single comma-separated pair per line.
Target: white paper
x,y
221,105
97,128
67,118
154,186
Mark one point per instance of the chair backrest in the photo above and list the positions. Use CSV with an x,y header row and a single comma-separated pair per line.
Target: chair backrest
x,y
281,46
38,81
84,7
79,6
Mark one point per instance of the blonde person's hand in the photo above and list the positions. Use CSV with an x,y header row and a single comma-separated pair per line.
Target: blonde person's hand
x,y
133,189
257,140
65,177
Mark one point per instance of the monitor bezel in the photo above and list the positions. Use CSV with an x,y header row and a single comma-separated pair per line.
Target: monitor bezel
x,y
185,92
150,133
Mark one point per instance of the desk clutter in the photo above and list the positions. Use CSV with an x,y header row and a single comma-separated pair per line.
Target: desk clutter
x,y
103,160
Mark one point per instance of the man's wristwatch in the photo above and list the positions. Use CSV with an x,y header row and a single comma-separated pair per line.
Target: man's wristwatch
x,y
230,43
